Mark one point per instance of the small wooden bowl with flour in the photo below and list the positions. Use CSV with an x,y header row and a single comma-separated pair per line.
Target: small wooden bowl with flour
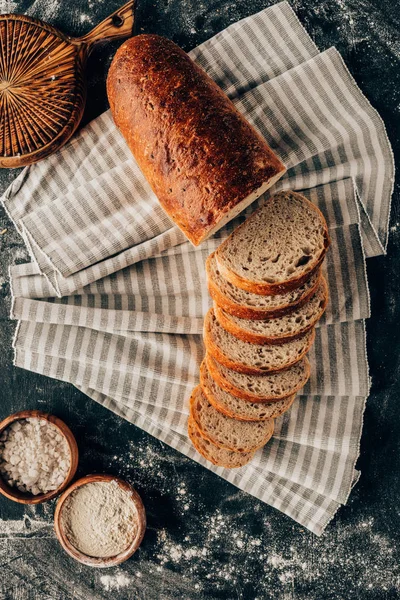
x,y
100,520
23,433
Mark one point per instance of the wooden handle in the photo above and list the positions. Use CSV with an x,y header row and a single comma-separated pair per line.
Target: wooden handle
x,y
117,25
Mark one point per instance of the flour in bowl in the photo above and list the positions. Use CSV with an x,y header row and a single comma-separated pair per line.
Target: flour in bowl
x,y
100,519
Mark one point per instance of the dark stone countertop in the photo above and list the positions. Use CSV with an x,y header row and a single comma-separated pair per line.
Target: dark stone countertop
x,y
206,539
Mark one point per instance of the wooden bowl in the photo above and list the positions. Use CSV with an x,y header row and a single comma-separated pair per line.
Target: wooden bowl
x,y
90,560
24,497
43,84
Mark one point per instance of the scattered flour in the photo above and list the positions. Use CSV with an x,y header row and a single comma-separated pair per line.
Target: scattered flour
x,y
19,253
46,10
231,557
25,527
115,582
8,6
171,552
85,18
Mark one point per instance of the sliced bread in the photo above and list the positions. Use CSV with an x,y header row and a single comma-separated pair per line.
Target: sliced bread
x,y
224,432
236,408
247,305
217,456
249,358
260,388
278,329
277,248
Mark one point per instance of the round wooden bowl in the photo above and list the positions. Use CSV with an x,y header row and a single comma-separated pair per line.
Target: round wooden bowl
x,y
92,561
24,497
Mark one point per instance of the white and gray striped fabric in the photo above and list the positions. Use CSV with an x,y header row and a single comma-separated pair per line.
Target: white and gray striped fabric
x,y
114,299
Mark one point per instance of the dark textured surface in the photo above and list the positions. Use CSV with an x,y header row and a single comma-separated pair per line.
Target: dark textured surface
x,y
205,539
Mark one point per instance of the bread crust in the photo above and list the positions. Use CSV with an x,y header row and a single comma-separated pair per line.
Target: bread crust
x,y
193,430
199,154
243,395
220,357
270,289
254,338
206,436
225,411
243,312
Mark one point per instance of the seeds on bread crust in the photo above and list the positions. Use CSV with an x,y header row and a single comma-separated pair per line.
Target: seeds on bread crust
x,y
225,432
236,408
217,456
277,248
279,329
249,358
246,305
271,387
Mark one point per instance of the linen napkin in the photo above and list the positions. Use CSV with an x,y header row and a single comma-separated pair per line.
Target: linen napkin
x,y
114,299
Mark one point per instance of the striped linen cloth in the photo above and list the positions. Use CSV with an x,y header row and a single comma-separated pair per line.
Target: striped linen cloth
x,y
114,299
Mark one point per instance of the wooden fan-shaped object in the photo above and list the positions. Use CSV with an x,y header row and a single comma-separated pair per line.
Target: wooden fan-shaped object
x,y
42,83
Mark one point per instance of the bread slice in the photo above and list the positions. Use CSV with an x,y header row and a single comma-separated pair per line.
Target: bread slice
x,y
277,248
224,432
280,329
217,456
247,305
254,359
260,388
236,408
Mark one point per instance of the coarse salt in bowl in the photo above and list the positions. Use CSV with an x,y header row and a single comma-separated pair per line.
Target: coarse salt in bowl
x,y
38,457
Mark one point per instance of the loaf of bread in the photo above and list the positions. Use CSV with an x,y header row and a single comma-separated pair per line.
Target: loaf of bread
x,y
272,387
224,432
235,407
246,305
203,160
279,329
217,456
277,248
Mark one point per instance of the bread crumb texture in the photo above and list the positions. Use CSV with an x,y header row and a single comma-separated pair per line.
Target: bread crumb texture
x,y
282,240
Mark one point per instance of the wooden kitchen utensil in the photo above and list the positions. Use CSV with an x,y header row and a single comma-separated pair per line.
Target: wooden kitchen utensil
x,y
42,83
